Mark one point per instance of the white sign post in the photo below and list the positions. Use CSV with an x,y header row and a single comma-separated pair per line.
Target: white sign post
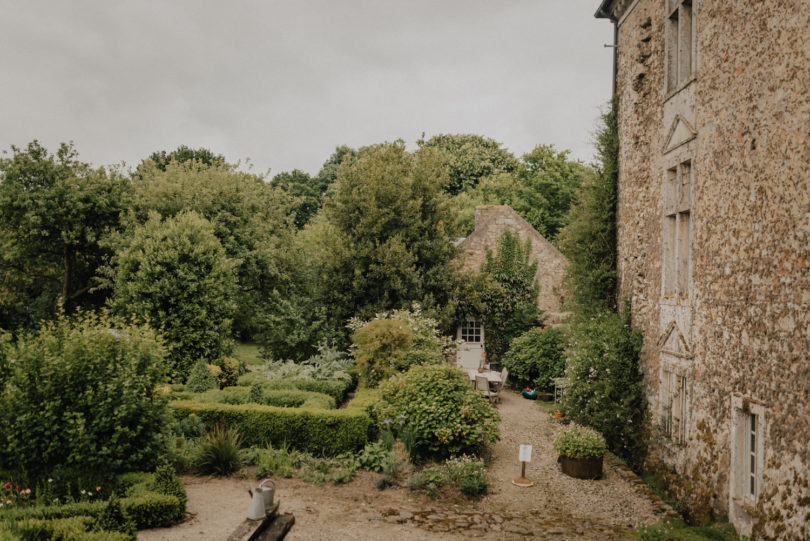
x,y
524,456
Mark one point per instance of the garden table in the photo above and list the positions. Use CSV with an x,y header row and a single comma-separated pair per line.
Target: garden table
x,y
492,376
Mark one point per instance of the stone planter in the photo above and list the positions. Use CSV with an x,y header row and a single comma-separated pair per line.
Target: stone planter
x,y
581,468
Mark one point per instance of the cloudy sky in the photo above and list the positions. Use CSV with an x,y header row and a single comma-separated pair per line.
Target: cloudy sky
x,y
284,82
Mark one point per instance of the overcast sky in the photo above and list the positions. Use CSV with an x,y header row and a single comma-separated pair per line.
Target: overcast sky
x,y
284,82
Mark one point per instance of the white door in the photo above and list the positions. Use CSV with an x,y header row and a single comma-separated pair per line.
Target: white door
x,y
471,351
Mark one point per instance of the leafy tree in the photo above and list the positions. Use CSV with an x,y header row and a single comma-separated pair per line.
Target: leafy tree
x,y
183,154
589,239
305,191
510,298
536,357
54,209
329,170
469,159
250,219
176,274
386,234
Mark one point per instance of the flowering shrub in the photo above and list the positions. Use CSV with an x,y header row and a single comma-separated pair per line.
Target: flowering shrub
x,y
11,494
535,358
604,389
446,414
576,441
465,473
394,342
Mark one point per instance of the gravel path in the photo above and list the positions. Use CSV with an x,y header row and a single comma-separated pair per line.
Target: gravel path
x,y
556,507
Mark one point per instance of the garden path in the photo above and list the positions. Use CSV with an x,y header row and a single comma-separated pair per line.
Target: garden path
x,y
557,507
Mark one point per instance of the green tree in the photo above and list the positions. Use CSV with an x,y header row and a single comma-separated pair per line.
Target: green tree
x,y
54,209
183,154
176,274
386,235
469,159
304,190
329,170
510,297
251,220
589,239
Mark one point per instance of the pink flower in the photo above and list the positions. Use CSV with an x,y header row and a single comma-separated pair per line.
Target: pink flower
x,y
98,489
27,491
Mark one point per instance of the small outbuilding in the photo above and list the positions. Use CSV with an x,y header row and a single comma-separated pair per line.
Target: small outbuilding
x,y
491,221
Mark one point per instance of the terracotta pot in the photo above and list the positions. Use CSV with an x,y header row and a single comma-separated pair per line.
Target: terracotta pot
x,y
558,415
581,468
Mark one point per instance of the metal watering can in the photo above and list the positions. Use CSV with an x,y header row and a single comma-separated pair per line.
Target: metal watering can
x,y
262,500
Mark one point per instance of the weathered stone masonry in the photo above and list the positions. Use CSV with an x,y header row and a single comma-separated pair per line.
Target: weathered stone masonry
x,y
714,247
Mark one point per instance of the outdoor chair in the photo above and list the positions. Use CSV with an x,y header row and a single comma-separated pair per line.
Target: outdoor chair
x,y
482,385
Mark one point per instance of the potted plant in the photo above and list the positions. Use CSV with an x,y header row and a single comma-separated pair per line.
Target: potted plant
x,y
581,450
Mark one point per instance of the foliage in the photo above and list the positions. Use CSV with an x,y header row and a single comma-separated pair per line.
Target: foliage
x,y
469,159
54,210
201,379
535,358
386,234
393,342
446,413
589,239
282,461
373,456
283,398
176,273
113,519
666,529
230,370
166,482
467,474
575,441
327,364
161,159
249,218
510,297
81,399
218,452
318,431
305,192
336,388
604,388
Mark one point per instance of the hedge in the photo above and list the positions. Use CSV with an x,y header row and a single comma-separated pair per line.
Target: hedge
x,y
283,398
146,507
64,529
317,431
336,388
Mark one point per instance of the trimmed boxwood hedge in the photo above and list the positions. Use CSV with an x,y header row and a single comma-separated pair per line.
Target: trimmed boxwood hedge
x,y
147,507
317,431
336,388
283,398
77,528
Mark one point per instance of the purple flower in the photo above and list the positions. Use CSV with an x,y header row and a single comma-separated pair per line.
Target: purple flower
x,y
387,422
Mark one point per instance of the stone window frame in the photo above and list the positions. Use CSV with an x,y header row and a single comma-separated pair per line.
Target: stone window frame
x,y
471,328
677,229
680,57
671,367
742,502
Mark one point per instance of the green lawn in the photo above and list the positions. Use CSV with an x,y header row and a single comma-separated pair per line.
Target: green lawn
x,y
248,353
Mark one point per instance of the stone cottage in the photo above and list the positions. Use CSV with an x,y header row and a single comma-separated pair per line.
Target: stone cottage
x,y
714,247
491,221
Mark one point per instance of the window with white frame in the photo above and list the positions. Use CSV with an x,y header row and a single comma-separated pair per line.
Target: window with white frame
x,y
673,405
471,331
747,454
680,43
677,230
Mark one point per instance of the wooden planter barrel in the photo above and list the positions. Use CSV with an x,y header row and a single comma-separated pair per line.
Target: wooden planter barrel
x,y
581,468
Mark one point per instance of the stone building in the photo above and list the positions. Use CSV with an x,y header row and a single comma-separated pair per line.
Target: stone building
x,y
714,247
491,221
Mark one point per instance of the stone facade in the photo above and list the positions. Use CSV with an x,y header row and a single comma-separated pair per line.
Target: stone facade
x,y
491,221
714,248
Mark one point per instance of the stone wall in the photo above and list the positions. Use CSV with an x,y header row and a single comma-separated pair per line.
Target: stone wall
x,y
742,122
491,221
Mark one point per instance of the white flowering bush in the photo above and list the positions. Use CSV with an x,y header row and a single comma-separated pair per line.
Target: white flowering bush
x,y
577,441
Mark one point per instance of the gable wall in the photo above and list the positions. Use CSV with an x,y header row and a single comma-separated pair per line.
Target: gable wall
x,y
746,316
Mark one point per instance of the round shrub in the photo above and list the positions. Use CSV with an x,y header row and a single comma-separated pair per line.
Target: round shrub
x,y
535,358
82,399
575,441
447,415
201,378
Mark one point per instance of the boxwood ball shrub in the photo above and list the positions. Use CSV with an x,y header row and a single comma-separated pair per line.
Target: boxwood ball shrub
x,y
535,358
81,400
447,415
576,441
